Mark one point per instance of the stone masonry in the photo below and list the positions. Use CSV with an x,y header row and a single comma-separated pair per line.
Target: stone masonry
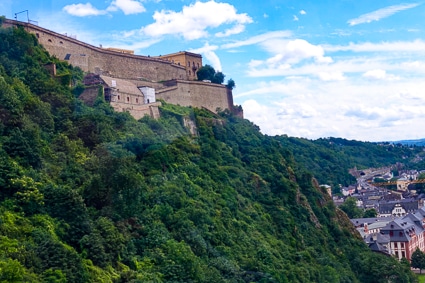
x,y
156,72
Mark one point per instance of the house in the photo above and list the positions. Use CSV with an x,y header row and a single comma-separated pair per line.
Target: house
x,y
406,234
123,95
348,191
398,208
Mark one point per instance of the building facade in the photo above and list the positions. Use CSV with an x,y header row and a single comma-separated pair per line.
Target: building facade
x,y
191,61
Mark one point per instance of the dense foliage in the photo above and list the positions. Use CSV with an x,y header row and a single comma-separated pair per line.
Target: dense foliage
x,y
330,159
208,73
90,195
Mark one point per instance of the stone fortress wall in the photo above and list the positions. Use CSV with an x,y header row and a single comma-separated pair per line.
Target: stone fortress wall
x,y
213,96
102,60
178,73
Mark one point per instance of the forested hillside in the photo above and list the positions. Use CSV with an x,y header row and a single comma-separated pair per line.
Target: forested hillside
x,y
90,195
330,159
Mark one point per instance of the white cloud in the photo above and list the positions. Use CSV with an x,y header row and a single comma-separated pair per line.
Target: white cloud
x,y
258,39
395,46
302,12
234,30
294,51
353,109
208,52
295,19
127,6
331,76
381,13
379,74
194,20
286,54
83,10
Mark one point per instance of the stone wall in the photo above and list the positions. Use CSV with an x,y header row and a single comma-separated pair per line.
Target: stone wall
x,y
102,61
196,94
141,70
138,111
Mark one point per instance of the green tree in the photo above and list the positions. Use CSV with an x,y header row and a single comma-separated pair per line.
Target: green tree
x,y
218,78
418,260
370,213
207,72
350,208
230,84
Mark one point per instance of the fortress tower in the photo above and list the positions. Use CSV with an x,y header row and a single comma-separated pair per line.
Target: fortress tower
x,y
191,61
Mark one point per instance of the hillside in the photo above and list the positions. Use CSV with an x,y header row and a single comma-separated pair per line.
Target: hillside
x,y
330,159
420,142
90,195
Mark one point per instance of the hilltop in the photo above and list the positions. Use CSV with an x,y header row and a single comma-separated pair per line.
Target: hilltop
x,y
92,195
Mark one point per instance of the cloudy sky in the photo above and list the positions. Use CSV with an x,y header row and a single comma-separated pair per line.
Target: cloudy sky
x,y
350,68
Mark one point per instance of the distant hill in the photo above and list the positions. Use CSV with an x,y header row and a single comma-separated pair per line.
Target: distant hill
x,y
329,159
419,142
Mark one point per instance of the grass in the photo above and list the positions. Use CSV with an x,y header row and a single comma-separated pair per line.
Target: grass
x,y
421,278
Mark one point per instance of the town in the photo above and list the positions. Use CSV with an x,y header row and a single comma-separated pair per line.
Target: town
x,y
397,204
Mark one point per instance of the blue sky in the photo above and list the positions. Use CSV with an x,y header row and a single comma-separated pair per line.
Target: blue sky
x,y
351,68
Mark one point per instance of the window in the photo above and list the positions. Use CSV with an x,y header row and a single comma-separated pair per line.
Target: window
x,y
137,100
118,97
188,64
128,99
49,40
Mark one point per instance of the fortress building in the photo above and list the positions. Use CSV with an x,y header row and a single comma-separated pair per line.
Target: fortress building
x,y
127,79
191,61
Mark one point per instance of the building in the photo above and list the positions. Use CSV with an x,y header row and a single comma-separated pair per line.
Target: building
x,y
406,234
398,208
123,95
191,61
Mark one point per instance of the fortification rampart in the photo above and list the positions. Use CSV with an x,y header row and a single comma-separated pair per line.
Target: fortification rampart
x,y
102,61
196,94
141,70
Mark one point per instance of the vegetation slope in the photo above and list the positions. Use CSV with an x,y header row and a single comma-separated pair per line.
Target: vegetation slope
x,y
90,195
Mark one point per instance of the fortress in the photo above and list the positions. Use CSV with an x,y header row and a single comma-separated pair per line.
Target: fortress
x,y
131,82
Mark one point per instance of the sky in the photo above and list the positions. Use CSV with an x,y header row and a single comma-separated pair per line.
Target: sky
x,y
313,69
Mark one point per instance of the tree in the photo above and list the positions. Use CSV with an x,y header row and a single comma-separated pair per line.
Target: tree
x,y
418,260
370,213
230,84
218,78
207,72
350,207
